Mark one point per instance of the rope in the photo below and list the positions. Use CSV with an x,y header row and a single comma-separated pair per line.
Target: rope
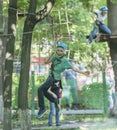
x,y
67,24
10,34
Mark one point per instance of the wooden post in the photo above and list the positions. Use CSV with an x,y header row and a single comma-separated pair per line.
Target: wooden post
x,y
33,93
1,77
105,97
67,21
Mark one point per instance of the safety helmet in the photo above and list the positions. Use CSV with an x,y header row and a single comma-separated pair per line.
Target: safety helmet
x,y
62,44
104,8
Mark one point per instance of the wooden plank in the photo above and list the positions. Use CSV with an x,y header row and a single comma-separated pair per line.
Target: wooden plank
x,y
81,112
67,112
113,36
105,37
109,36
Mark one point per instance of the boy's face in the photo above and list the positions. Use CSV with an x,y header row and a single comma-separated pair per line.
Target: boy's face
x,y
104,13
60,51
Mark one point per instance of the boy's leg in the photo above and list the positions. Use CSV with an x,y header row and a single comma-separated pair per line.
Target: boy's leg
x,y
74,93
52,94
93,34
57,114
105,29
52,106
41,90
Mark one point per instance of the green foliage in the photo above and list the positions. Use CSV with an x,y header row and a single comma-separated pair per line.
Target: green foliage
x,y
114,1
91,4
5,8
15,84
92,96
38,81
23,6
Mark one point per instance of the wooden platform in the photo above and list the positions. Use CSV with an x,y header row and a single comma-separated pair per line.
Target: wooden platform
x,y
80,112
105,37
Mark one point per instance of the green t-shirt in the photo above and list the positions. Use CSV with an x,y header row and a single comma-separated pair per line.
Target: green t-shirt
x,y
60,64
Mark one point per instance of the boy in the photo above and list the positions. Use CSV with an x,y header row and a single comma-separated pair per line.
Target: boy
x,y
99,24
58,64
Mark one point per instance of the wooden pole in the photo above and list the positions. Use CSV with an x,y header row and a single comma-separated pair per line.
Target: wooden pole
x,y
33,93
105,97
67,23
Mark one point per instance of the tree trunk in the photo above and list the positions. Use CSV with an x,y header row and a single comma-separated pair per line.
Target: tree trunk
x,y
23,113
112,15
29,25
24,75
24,119
1,61
12,11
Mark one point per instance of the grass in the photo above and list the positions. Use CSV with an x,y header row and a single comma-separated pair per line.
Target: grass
x,y
82,121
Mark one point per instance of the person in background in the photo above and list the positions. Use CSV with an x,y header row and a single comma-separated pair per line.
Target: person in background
x,y
99,26
70,89
111,82
66,94
70,81
55,108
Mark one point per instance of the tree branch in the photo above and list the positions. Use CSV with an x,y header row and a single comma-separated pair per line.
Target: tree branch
x,y
45,11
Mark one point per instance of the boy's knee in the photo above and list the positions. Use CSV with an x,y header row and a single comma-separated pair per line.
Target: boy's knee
x,y
52,112
110,32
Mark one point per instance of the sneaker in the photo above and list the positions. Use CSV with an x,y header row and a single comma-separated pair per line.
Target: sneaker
x,y
67,107
58,124
87,36
49,124
75,107
88,41
41,113
97,39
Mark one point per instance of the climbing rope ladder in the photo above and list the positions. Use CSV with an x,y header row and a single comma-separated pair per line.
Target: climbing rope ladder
x,y
57,32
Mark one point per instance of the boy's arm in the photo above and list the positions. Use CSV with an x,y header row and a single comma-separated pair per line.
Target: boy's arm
x,y
96,16
49,59
79,71
100,21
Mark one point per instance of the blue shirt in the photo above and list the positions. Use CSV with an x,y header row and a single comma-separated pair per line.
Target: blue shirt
x,y
69,74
